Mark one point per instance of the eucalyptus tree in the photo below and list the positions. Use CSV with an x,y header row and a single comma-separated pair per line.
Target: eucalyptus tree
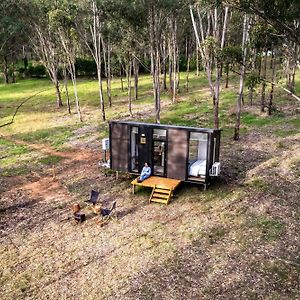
x,y
246,27
61,20
262,39
89,25
158,14
283,16
44,40
12,37
210,30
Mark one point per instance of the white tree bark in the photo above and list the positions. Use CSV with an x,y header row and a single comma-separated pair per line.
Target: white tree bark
x,y
246,27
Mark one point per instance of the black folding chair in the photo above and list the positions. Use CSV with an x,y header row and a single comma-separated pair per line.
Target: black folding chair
x,y
108,214
93,197
93,200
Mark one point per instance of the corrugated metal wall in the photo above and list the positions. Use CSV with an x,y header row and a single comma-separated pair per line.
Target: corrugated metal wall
x,y
119,146
177,153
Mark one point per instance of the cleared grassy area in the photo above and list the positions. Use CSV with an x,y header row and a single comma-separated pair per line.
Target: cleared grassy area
x,y
240,237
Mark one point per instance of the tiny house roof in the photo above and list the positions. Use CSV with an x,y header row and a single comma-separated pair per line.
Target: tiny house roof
x,y
133,123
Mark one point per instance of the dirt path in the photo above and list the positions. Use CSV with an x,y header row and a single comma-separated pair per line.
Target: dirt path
x,y
49,187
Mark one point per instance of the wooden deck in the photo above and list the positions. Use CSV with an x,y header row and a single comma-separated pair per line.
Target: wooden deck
x,y
153,181
162,188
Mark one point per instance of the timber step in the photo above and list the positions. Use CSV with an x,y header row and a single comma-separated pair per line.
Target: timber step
x,y
161,195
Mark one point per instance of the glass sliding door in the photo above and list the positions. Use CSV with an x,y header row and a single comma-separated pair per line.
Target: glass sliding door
x,y
159,151
134,149
197,155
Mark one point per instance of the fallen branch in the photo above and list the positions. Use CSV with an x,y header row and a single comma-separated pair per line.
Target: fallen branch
x,y
19,106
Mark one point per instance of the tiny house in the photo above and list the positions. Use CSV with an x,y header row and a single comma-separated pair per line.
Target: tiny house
x,y
185,153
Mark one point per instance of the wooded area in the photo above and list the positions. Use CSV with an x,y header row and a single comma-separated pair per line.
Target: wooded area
x,y
69,70
123,38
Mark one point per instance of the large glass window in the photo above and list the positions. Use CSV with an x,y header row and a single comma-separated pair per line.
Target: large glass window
x,y
134,151
197,154
159,151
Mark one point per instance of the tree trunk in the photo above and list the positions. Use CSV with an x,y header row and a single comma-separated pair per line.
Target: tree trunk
x,y
227,76
213,23
108,78
136,77
242,76
170,66
292,79
272,85
178,70
197,59
164,67
13,72
121,78
263,85
216,111
5,71
251,96
66,89
57,89
187,73
73,77
157,86
129,70
102,106
271,60
154,30
174,62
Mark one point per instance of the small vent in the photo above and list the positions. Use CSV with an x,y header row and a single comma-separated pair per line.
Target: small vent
x,y
215,169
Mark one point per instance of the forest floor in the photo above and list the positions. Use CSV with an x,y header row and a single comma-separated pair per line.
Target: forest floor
x,y
237,240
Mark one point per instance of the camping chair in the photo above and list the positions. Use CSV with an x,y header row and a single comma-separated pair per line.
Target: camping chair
x,y
79,217
93,200
94,197
108,214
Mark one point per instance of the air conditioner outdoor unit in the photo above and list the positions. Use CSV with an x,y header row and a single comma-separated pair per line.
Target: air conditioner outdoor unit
x,y
215,169
105,144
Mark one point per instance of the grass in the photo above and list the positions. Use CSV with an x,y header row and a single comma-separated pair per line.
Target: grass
x,y
15,171
50,160
258,183
56,136
152,250
270,228
9,152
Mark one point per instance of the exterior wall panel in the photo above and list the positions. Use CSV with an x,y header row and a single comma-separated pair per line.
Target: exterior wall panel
x,y
177,153
119,147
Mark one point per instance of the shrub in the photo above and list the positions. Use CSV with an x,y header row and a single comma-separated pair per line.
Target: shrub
x,y
38,71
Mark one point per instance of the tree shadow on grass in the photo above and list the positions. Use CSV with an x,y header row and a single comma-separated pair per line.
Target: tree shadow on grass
x,y
195,272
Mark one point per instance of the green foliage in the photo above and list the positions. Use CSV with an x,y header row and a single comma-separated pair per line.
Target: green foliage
x,y
231,54
36,70
262,36
282,14
85,67
252,80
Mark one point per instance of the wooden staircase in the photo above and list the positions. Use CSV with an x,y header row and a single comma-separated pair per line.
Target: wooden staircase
x,y
161,194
